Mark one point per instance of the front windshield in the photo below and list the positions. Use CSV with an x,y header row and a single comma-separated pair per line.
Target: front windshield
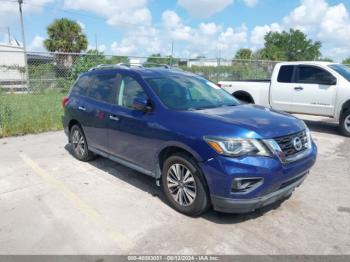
x,y
343,70
190,93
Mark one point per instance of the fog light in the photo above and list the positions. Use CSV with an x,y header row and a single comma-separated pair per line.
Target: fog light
x,y
245,184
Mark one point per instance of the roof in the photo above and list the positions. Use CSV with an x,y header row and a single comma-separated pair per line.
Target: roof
x,y
324,63
145,72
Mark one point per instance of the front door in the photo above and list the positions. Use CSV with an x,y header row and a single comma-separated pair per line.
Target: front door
x,y
314,91
131,134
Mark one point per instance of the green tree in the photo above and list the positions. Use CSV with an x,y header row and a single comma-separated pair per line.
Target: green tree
x,y
84,62
117,60
244,53
157,59
325,59
290,46
346,61
65,36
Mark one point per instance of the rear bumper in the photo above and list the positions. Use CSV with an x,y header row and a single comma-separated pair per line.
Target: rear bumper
x,y
229,205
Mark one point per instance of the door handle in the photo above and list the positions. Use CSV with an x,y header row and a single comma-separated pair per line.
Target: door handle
x,y
114,118
82,108
298,88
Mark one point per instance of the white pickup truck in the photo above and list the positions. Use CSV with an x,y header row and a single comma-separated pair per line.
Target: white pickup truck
x,y
314,88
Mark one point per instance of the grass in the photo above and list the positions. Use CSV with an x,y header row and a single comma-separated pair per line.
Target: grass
x,y
22,114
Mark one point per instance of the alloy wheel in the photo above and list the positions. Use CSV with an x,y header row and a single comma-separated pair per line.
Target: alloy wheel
x,y
181,184
347,123
78,142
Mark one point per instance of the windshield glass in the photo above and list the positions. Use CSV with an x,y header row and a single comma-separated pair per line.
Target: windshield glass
x,y
190,93
343,70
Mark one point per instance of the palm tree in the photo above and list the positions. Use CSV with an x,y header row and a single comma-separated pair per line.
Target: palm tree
x,y
65,36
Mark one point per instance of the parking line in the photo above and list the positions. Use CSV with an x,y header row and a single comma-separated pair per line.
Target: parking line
x,y
123,242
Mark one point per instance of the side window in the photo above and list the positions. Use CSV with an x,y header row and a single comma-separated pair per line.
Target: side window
x,y
313,75
103,87
82,86
286,74
129,89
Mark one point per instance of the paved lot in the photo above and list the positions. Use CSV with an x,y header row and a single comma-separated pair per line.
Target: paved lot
x,y
51,203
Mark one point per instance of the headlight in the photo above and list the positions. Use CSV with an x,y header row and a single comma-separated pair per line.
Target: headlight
x,y
309,138
237,147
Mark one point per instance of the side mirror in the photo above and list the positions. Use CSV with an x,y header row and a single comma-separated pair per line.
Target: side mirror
x,y
141,104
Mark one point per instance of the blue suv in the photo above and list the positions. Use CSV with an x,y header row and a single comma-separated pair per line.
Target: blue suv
x,y
201,145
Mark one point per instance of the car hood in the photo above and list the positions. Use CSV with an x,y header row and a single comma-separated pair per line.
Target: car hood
x,y
251,121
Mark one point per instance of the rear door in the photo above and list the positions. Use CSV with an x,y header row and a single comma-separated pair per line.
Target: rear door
x,y
97,106
282,88
314,91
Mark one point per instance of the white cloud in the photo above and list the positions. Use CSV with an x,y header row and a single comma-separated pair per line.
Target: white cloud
x,y
258,33
328,24
37,44
209,28
82,25
307,15
251,3
204,8
9,10
120,13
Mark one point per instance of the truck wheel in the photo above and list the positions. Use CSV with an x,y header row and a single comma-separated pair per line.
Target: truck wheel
x,y
183,185
345,123
79,144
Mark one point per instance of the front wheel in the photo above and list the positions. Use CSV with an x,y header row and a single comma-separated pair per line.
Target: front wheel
x,y
183,185
345,123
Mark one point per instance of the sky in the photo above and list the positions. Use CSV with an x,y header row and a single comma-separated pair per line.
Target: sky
x,y
208,28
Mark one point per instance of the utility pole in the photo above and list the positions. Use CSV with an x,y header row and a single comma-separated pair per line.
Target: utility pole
x,y
172,52
20,2
9,35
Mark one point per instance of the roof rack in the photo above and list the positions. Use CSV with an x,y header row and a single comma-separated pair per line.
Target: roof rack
x,y
130,65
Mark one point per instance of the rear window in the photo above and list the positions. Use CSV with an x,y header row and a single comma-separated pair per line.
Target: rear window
x,y
81,87
286,74
103,87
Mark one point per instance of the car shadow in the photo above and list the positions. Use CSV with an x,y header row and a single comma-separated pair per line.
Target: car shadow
x,y
148,185
323,127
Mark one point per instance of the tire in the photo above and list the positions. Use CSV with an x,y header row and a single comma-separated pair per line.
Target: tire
x,y
345,123
80,148
186,192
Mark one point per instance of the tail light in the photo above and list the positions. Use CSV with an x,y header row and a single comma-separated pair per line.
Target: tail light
x,y
219,85
65,101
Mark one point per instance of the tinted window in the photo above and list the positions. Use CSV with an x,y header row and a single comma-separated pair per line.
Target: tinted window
x,y
313,75
103,87
190,93
343,70
129,89
82,85
286,74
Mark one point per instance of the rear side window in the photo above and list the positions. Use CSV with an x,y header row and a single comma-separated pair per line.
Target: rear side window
x,y
103,87
286,74
129,89
82,86
313,75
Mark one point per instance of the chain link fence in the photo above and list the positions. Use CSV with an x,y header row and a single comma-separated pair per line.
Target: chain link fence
x,y
59,70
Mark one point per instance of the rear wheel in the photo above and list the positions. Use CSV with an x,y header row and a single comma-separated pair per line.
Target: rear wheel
x,y
345,123
79,144
183,185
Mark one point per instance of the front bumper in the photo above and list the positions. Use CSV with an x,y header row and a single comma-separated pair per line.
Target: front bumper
x,y
228,205
278,180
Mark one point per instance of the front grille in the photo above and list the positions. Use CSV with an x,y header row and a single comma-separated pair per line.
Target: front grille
x,y
287,146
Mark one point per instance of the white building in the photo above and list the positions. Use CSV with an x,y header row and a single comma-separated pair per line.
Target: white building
x,y
208,62
12,66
